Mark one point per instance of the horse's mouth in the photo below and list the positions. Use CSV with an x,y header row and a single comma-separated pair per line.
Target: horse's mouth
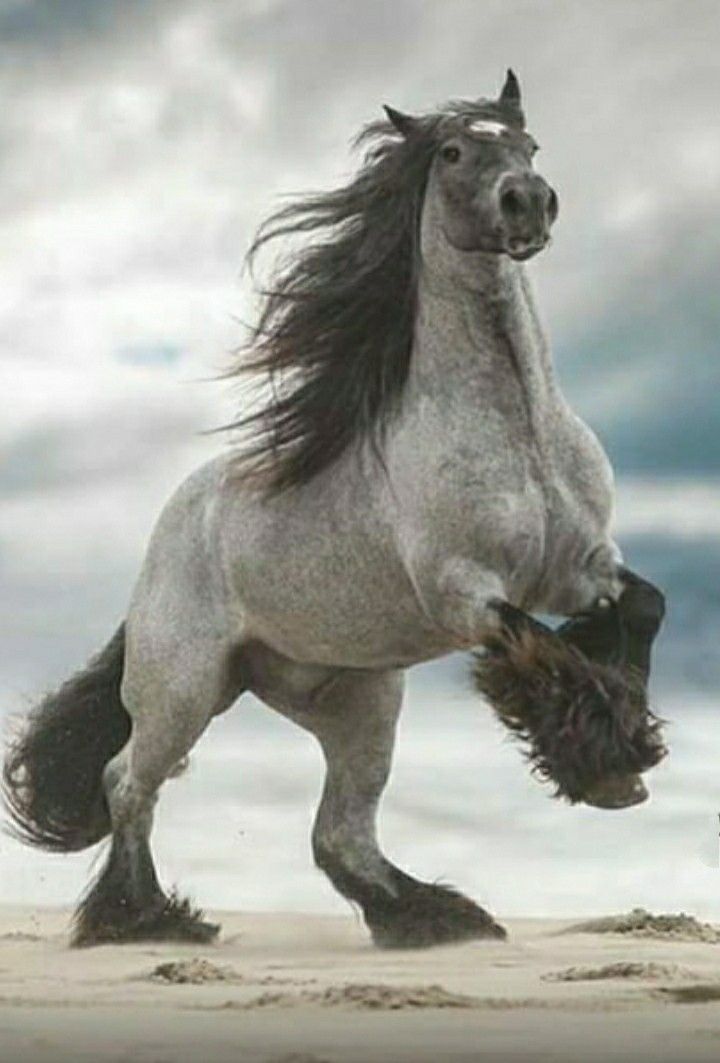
x,y
498,243
523,253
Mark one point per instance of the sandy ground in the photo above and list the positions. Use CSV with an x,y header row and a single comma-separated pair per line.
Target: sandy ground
x,y
311,989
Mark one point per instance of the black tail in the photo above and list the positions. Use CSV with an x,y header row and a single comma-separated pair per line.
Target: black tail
x,y
52,776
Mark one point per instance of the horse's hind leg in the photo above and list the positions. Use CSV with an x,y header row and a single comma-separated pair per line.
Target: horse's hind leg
x,y
354,717
171,704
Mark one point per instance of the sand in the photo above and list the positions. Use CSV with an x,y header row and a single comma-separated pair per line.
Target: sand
x,y
289,988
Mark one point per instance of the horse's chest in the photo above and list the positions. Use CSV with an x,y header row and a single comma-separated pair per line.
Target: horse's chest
x,y
581,477
541,517
575,482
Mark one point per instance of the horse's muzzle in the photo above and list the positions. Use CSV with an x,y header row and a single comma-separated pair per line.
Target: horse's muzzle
x,y
528,207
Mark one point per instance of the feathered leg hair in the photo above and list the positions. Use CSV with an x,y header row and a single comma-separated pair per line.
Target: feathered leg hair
x,y
577,697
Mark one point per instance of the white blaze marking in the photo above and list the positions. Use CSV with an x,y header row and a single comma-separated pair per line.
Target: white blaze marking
x,y
485,125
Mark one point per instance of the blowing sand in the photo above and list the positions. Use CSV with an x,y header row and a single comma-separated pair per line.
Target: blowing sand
x,y
311,989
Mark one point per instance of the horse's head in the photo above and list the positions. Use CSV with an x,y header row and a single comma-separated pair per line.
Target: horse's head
x,y
483,189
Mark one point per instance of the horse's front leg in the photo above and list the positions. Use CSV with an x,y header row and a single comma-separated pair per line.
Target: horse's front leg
x,y
576,696
620,632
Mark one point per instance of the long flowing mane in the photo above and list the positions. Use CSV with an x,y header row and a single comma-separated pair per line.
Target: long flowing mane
x,y
335,332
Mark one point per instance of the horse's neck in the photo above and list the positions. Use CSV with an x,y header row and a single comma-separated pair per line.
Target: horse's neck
x,y
482,345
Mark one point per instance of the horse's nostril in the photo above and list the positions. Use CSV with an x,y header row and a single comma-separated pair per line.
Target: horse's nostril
x,y
552,205
512,203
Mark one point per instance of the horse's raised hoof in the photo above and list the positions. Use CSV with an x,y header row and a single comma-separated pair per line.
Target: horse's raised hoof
x,y
424,915
173,919
586,725
620,792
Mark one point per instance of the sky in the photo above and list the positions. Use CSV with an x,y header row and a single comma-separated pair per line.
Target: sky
x,y
143,141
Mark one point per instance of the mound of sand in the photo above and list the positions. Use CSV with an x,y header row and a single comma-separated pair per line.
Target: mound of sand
x,y
641,923
650,972
196,971
366,997
192,972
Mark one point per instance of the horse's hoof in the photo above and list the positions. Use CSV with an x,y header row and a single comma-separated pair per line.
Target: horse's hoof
x,y
619,792
172,919
198,932
177,921
425,915
410,934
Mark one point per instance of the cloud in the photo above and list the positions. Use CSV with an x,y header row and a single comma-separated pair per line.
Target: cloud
x,y
647,368
141,145
40,24
673,508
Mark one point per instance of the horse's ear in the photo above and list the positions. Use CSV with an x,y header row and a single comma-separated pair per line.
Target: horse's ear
x,y
404,123
510,95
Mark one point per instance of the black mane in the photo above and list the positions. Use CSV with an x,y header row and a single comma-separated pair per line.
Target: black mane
x,y
335,333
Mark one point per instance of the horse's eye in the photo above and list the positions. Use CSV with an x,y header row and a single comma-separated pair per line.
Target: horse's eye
x,y
450,153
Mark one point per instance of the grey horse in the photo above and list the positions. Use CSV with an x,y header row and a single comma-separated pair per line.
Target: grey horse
x,y
414,484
